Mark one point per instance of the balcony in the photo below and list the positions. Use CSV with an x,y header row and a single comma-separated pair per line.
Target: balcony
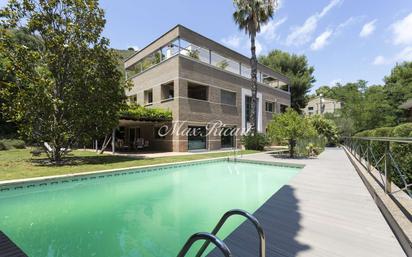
x,y
182,47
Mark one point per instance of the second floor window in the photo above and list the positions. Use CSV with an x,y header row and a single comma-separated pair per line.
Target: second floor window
x,y
148,96
227,97
270,107
197,91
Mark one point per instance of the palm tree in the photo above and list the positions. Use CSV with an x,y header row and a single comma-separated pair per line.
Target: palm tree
x,y
250,15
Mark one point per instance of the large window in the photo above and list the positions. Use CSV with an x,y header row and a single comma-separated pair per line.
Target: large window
x,y
196,138
227,138
197,91
270,107
227,97
148,96
199,53
168,91
132,99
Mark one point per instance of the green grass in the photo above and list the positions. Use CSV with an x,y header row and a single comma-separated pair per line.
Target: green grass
x,y
19,164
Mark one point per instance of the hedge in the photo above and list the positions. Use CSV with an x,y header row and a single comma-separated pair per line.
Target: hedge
x,y
402,153
7,144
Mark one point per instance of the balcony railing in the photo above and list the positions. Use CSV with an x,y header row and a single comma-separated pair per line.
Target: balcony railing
x,y
390,157
182,47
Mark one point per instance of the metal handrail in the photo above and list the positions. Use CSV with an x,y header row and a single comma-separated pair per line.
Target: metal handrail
x,y
390,166
250,217
387,139
209,238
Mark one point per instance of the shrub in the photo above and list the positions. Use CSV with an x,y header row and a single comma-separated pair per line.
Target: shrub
x,y
326,128
255,142
402,153
292,127
7,144
311,146
138,112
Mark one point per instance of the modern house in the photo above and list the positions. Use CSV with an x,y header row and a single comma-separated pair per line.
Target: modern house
x,y
200,81
408,107
321,105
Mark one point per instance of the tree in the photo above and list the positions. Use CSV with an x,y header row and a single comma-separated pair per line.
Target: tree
x,y
297,69
398,88
9,128
250,15
69,89
364,107
290,126
325,127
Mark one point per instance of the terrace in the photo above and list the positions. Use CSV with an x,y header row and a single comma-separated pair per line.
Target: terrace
x,y
181,41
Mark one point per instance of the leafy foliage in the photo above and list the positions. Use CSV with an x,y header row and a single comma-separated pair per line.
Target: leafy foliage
x,y
326,128
7,144
398,88
297,69
368,107
69,88
402,153
257,141
141,113
290,126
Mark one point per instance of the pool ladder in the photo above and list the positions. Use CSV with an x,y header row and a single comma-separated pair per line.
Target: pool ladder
x,y
212,238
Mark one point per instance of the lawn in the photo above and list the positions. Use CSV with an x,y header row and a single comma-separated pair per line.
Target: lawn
x,y
18,163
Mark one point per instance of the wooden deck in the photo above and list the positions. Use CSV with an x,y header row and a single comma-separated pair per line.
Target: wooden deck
x,y
324,211
8,248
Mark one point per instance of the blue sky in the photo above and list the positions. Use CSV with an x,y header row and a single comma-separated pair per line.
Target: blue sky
x,y
345,40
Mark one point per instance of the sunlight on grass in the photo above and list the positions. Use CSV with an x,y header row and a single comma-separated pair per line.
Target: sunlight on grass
x,y
18,163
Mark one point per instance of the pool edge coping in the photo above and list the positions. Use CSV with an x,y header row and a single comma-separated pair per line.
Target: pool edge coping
x,y
19,182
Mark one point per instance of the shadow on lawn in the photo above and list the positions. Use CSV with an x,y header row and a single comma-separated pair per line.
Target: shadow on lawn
x,y
73,160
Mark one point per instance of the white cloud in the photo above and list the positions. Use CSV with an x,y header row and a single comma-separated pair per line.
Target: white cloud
x,y
268,31
402,31
379,60
232,41
368,29
303,34
321,40
402,56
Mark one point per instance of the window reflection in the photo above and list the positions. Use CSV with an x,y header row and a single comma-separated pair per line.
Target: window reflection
x,y
183,47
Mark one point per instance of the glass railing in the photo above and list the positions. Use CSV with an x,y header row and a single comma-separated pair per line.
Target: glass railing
x,y
183,47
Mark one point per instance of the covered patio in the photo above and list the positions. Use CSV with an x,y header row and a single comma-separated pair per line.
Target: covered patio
x,y
134,136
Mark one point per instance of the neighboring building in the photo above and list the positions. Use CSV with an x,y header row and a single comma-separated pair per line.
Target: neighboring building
x,y
408,106
199,80
321,105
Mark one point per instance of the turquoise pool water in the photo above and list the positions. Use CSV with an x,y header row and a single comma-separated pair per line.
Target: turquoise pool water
x,y
142,214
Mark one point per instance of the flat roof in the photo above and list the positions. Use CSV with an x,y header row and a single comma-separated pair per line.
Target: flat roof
x,y
232,52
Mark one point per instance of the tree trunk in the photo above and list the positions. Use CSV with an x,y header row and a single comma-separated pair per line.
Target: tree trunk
x,y
57,155
292,144
253,65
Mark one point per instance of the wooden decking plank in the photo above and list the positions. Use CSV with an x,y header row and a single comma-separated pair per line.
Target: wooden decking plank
x,y
8,248
324,211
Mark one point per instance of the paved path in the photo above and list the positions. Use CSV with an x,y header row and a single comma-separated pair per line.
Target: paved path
x,y
325,211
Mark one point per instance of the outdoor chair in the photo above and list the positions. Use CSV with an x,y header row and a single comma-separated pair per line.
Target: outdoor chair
x,y
139,143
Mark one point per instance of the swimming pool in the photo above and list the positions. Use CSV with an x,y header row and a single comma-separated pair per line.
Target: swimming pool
x,y
142,212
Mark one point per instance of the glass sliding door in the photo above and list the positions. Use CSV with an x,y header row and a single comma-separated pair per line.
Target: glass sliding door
x,y
197,138
227,139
